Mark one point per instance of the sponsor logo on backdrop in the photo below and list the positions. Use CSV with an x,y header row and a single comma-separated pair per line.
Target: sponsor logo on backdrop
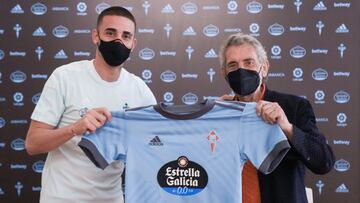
x,y
167,29
2,192
341,142
82,31
60,55
0,77
341,97
18,166
60,31
342,29
189,50
18,121
211,54
211,74
146,7
18,76
298,52
189,8
17,9
319,97
168,98
254,7
320,186
276,75
18,98
168,9
189,98
2,99
17,28
297,29
319,51
341,49
189,31
342,189
320,6
18,187
2,122
232,30
321,119
35,98
232,7
254,29
276,6
82,53
319,74
18,144
146,30
146,75
297,4
341,74
38,9
60,8
342,165
189,75
342,4
341,120
2,54
81,9
276,29
39,32
36,188
211,7
38,166
320,25
2,31
17,53
146,54
211,30
275,51
167,53
100,7
168,76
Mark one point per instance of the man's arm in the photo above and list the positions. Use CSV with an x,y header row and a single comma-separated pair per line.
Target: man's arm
x,y
42,137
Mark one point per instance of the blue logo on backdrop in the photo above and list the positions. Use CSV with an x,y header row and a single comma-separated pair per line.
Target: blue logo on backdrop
x,y
81,8
100,7
38,166
342,165
2,122
18,76
168,76
18,144
60,31
297,52
2,54
276,29
254,7
211,30
38,9
146,54
18,188
341,97
36,98
189,98
319,74
168,97
189,8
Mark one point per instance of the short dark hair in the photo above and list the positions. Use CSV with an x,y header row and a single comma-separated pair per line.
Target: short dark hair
x,y
118,11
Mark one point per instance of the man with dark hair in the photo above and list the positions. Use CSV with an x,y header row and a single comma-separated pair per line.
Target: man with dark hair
x,y
78,98
245,67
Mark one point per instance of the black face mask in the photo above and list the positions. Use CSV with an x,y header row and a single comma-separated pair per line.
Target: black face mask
x,y
243,82
114,52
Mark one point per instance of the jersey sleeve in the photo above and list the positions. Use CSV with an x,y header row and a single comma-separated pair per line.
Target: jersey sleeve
x,y
106,144
263,144
50,106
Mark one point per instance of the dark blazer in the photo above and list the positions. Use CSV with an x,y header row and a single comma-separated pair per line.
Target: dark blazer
x,y
308,149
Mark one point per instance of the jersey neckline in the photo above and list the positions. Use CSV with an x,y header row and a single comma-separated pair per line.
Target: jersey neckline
x,y
184,112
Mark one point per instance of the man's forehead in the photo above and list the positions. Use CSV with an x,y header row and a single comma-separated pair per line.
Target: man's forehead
x,y
117,23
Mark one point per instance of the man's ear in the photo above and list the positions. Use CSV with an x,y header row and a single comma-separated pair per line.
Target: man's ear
x,y
95,37
265,69
134,44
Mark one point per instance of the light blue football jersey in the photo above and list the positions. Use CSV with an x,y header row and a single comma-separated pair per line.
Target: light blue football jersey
x,y
187,154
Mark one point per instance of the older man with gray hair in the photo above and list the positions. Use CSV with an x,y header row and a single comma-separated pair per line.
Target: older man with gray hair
x,y
245,67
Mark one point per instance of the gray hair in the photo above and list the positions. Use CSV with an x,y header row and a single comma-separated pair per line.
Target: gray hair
x,y
240,39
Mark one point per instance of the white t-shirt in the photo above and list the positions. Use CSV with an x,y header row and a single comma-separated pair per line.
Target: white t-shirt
x,y
68,175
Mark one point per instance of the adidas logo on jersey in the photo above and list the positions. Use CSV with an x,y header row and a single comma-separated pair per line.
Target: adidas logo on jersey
x,y
342,29
189,31
156,141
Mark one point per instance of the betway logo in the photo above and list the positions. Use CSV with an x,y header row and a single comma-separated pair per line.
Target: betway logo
x,y
343,142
